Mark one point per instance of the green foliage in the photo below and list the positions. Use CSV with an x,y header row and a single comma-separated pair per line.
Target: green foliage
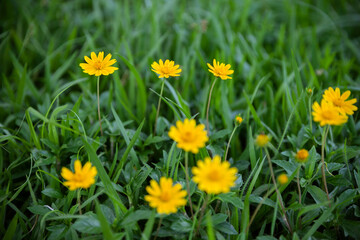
x,y
278,49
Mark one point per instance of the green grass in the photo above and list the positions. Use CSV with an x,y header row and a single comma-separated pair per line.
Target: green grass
x,y
278,49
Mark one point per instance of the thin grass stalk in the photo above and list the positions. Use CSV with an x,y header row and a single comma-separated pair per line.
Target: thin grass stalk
x,y
298,183
188,182
79,200
228,145
159,103
208,106
259,206
324,135
310,117
98,102
277,192
299,189
195,218
203,208
158,227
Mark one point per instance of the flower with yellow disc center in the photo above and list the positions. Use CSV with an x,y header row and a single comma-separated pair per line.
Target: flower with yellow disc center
x,y
188,135
83,177
214,176
165,197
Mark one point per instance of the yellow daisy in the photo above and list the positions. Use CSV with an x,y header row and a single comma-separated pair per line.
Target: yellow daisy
x,y
220,70
214,176
262,140
327,113
339,101
98,65
283,178
302,155
83,177
165,197
167,69
189,136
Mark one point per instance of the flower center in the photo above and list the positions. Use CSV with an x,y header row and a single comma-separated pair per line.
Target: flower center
x,y
187,136
222,71
302,155
214,176
165,70
165,196
98,65
328,115
78,177
337,102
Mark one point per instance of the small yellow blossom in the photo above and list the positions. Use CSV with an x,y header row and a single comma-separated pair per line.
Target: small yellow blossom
x,y
339,101
327,113
98,65
83,177
302,155
165,197
262,140
220,70
282,178
167,69
214,176
188,135
309,91
238,119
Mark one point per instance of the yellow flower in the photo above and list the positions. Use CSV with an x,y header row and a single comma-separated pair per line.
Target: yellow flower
x,y
83,177
302,155
339,101
189,136
220,70
309,91
238,119
214,176
283,178
98,65
262,140
327,113
165,197
167,69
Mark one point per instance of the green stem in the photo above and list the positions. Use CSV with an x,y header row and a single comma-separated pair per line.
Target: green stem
x,y
195,219
158,228
228,145
79,200
277,191
259,206
203,208
310,118
98,102
188,182
324,135
208,107
298,183
159,103
299,189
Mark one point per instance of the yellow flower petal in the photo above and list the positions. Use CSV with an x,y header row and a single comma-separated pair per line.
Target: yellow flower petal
x,y
339,101
166,70
220,70
188,135
214,176
82,178
98,65
165,197
66,173
327,113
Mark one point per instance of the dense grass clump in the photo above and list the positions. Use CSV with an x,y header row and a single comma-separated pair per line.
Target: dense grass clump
x,y
290,177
